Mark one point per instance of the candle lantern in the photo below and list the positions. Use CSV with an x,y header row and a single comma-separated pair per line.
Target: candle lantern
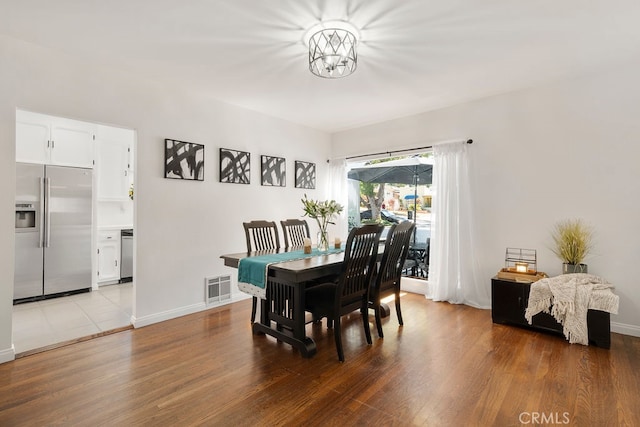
x,y
521,265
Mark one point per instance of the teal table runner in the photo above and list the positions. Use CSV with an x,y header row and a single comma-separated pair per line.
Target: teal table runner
x,y
254,269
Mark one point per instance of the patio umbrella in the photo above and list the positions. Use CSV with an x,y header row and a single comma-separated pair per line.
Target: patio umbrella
x,y
410,170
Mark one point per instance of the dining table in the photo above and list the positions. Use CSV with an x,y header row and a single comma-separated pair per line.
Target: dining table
x,y
282,313
282,310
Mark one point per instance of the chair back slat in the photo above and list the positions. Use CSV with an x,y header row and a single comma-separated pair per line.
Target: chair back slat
x,y
294,231
261,235
361,251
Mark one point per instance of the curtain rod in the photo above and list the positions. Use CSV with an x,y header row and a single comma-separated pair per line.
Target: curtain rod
x,y
389,153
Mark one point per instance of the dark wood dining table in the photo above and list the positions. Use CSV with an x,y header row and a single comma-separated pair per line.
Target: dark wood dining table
x,y
282,313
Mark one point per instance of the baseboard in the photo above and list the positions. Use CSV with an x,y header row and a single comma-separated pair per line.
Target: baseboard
x,y
416,286
139,322
624,329
240,296
7,355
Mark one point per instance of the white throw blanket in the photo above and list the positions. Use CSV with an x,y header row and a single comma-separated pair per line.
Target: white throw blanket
x,y
568,297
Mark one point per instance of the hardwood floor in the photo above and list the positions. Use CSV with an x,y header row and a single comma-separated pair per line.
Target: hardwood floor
x,y
449,365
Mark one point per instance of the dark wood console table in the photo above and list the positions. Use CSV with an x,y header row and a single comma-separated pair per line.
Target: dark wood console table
x,y
509,300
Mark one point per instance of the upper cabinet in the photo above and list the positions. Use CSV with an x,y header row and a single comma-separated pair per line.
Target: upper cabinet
x,y
33,140
114,147
54,140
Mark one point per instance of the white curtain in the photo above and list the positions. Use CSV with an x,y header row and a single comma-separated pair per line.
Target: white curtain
x,y
337,189
454,274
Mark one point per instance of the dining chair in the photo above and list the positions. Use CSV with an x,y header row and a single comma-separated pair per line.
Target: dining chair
x,y
294,231
351,291
260,236
387,280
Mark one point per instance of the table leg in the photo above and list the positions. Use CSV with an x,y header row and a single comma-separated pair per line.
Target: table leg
x,y
306,346
282,316
263,315
385,311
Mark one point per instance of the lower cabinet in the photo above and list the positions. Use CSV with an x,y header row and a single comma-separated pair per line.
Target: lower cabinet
x,y
509,300
108,256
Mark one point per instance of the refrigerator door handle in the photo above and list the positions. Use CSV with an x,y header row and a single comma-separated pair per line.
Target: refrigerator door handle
x,y
40,213
47,236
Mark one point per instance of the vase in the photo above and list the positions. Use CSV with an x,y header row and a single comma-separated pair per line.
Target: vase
x,y
574,268
323,241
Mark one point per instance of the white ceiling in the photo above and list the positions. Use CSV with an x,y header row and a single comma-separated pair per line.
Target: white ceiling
x,y
414,55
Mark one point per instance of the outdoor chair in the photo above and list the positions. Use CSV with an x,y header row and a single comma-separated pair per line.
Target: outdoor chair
x,y
294,231
387,280
410,264
260,235
417,261
423,263
351,292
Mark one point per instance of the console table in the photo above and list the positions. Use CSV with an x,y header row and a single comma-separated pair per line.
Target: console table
x,y
509,300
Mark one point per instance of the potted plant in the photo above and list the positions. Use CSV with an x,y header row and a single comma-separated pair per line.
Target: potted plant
x,y
572,242
323,212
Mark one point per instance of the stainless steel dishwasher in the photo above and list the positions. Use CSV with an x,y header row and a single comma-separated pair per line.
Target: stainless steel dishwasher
x,y
126,255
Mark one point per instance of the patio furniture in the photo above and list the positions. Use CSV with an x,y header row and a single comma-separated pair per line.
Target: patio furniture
x,y
423,262
417,261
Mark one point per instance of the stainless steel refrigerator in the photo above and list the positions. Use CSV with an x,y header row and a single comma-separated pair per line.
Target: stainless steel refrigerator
x,y
53,230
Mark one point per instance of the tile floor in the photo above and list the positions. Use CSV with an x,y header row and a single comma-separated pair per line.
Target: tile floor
x,y
43,323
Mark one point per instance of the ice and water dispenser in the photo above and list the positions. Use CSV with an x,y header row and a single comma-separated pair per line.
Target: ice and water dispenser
x,y
25,217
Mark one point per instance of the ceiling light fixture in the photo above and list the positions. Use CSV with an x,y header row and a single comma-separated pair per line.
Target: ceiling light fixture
x,y
333,50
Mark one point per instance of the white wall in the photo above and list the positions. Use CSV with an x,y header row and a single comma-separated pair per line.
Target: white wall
x,y
182,228
114,213
564,150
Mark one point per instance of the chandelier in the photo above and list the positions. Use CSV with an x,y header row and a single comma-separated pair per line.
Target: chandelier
x,y
332,53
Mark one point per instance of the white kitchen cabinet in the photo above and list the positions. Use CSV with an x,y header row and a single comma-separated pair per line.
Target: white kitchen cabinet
x,y
32,141
108,256
113,162
53,140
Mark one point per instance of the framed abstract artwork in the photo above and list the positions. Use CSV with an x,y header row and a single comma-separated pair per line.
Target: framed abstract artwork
x,y
183,160
273,171
305,175
235,166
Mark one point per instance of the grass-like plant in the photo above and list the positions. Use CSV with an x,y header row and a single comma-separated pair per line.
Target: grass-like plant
x,y
572,240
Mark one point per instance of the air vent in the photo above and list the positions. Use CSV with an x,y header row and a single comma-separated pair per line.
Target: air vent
x,y
217,289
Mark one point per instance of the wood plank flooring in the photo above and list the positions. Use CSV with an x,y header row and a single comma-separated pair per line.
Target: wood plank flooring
x,y
448,365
